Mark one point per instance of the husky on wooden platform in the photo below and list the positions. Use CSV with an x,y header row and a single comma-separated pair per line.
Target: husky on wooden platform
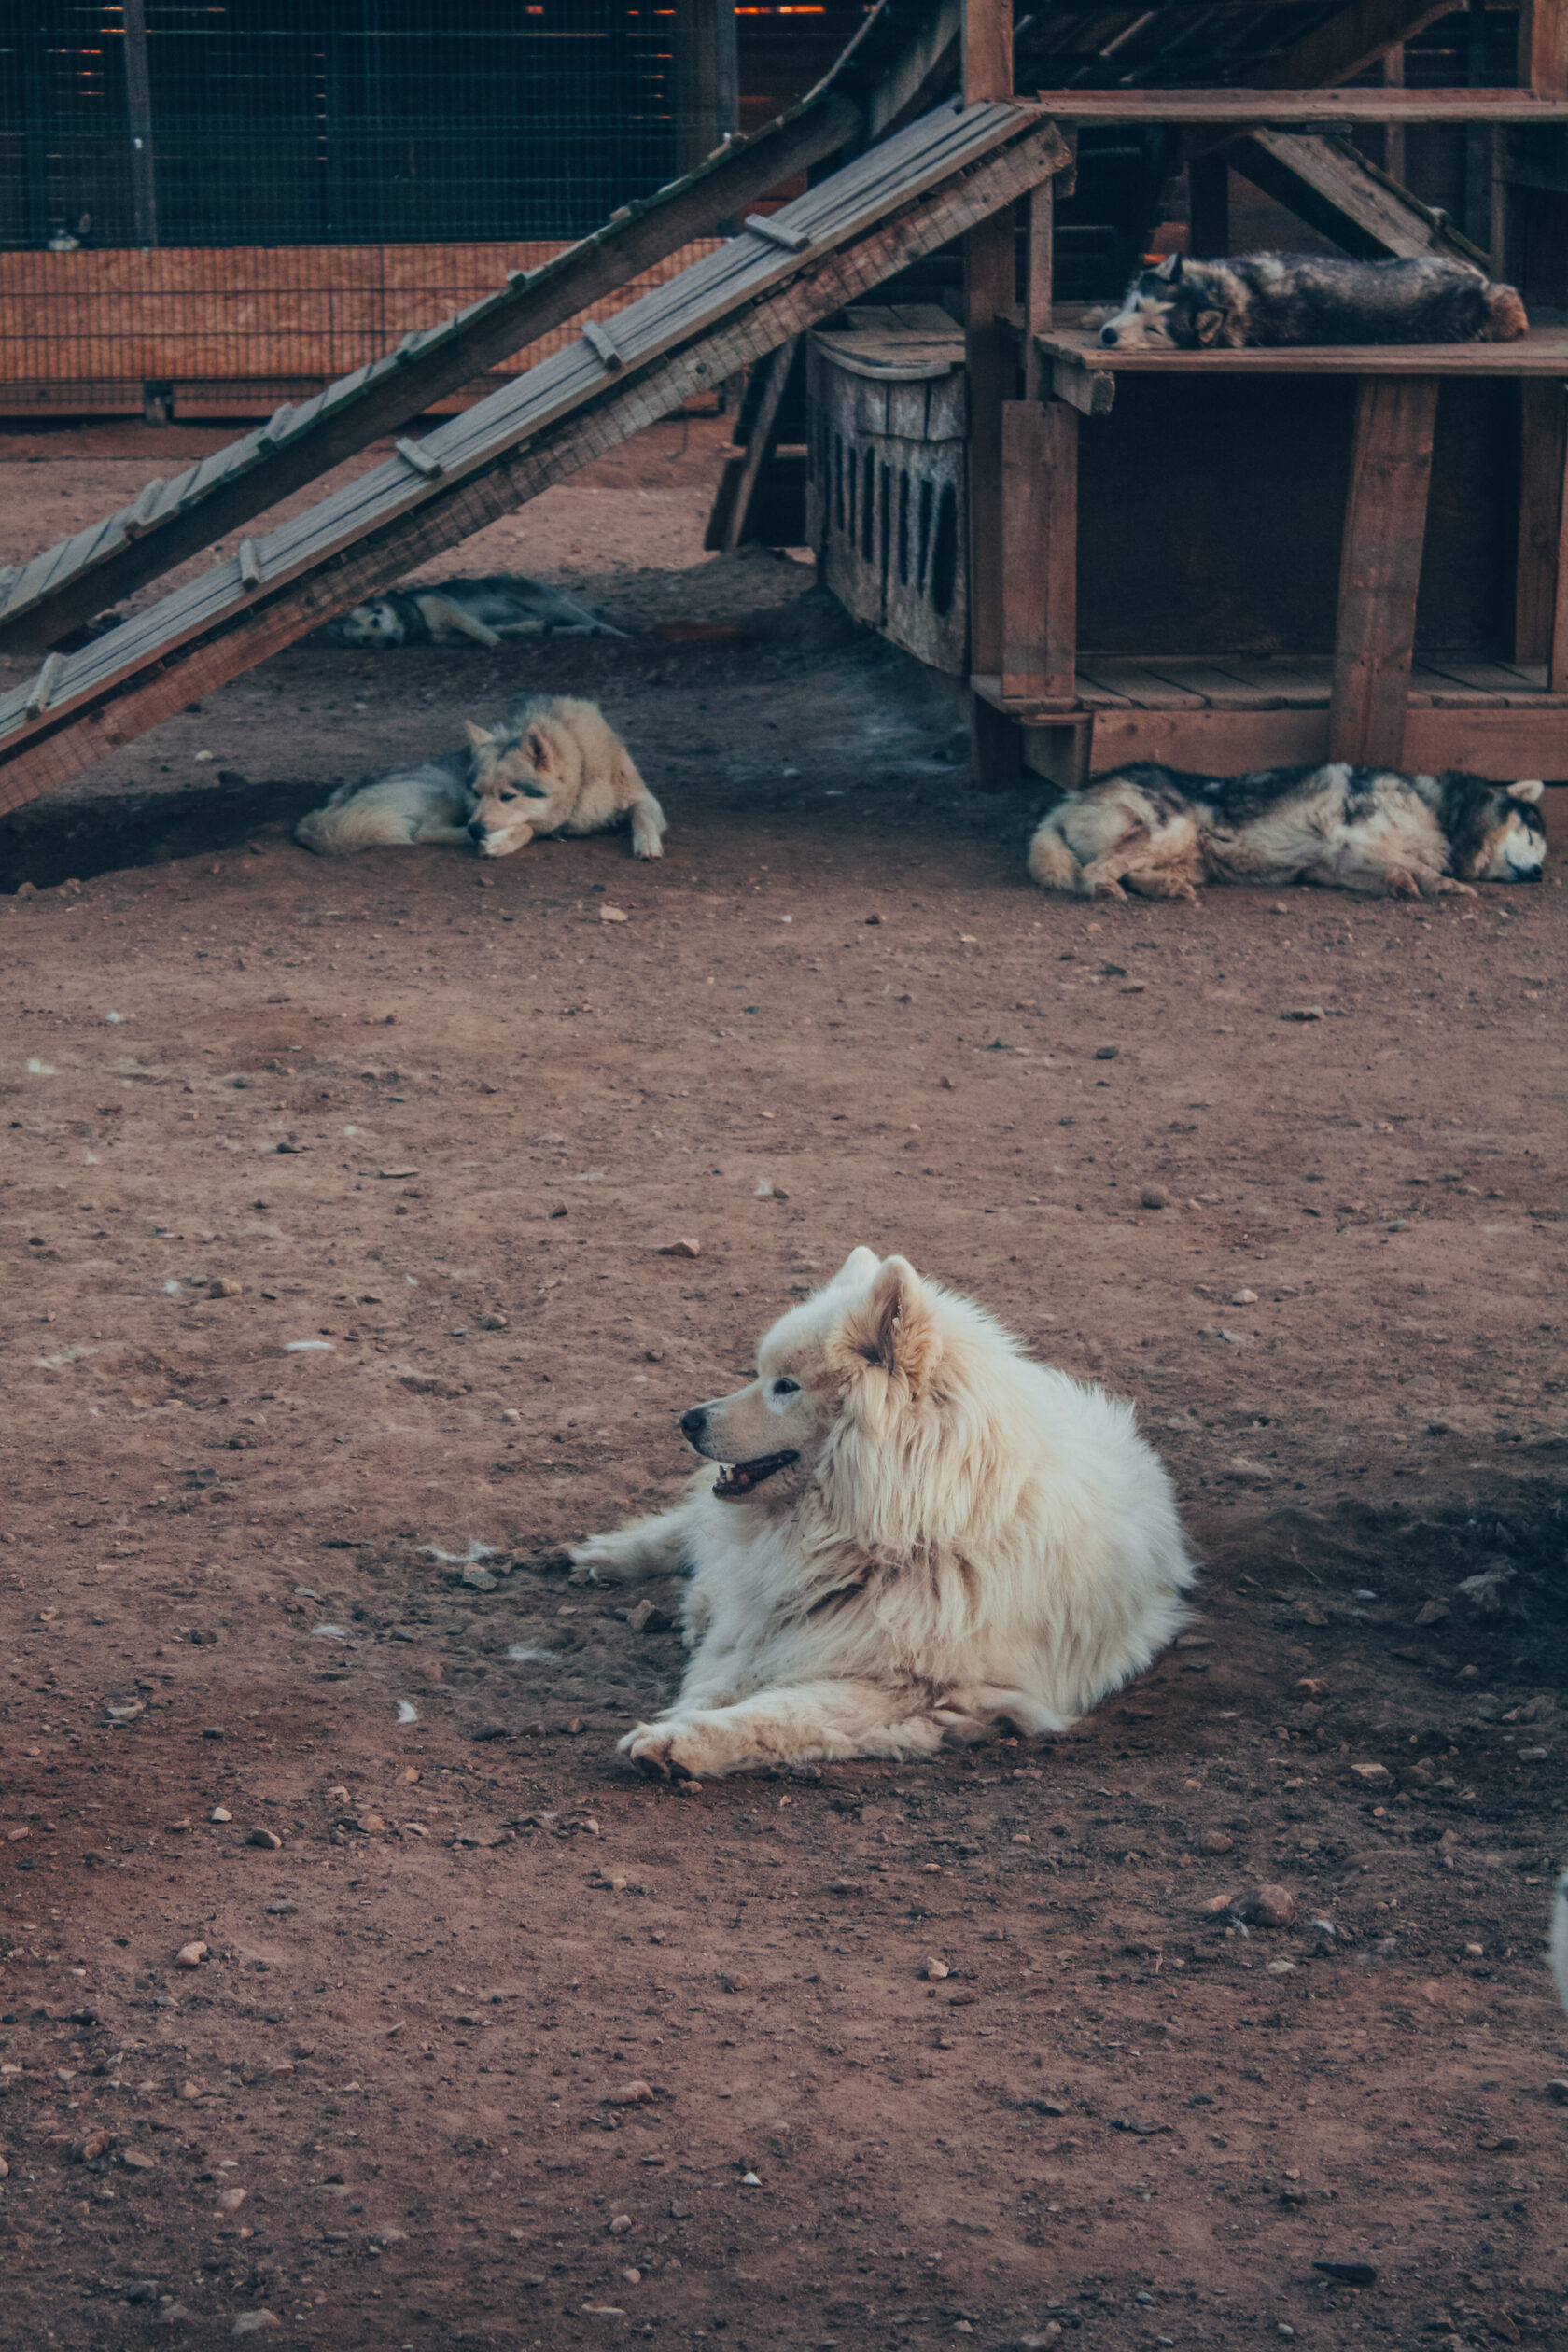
x,y
1161,832
482,612
1300,298
551,766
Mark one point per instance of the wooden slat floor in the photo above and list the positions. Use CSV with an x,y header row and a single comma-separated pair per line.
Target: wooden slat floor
x,y
1240,681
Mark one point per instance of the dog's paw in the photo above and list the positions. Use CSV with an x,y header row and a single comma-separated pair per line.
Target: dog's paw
x,y
1399,882
648,848
671,1751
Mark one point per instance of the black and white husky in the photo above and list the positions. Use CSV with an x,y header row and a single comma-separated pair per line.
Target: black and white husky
x,y
1161,832
550,765
484,611
1297,298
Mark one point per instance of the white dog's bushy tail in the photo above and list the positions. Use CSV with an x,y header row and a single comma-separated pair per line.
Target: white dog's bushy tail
x,y
1051,862
335,832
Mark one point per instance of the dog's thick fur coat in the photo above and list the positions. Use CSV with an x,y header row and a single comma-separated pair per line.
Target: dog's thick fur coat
x,y
480,611
551,766
1161,832
922,1535
1302,298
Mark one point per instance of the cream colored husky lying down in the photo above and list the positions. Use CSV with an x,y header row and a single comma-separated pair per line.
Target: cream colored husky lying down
x,y
550,765
920,1535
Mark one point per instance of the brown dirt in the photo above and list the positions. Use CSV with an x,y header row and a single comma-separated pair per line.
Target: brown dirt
x,y
444,1121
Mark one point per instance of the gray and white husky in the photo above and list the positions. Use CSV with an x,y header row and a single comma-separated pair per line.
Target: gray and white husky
x,y
1298,297
550,765
1161,831
484,611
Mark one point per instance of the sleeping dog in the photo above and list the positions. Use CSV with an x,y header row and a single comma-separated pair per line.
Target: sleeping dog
x,y
1297,298
481,612
1161,832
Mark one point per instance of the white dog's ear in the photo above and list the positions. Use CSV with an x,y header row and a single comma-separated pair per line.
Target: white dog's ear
x,y
858,1266
1530,790
479,736
896,1328
540,752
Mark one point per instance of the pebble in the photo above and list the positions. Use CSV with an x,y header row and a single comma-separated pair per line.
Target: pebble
x,y
231,2200
1215,1841
936,1970
685,1249
225,1286
1243,1298
256,2322
96,2144
1105,1052
619,2224
511,1414
1348,2274
5,2169
137,2159
267,1839
1153,1196
634,2093
1370,1772
1304,1012
749,2181
1557,2091
220,1812
1268,1906
493,1322
608,914
190,1955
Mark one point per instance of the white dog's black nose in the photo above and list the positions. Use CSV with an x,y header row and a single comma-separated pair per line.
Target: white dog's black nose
x,y
695,1422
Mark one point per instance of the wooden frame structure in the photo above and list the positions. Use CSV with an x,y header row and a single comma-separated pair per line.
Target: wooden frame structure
x,y
1043,702
914,191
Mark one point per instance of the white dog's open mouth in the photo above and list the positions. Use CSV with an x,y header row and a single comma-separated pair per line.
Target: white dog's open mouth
x,y
742,1476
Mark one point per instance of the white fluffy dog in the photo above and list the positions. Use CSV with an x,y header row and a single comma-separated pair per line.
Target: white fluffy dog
x,y
921,1534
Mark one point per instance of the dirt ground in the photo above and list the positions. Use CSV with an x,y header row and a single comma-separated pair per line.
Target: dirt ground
x,y
334,1204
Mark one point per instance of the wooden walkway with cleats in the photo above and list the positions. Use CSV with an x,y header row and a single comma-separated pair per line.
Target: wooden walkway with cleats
x,y
923,185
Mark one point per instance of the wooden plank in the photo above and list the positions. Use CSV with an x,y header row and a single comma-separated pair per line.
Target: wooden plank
x,y
1091,391
773,233
1040,249
1283,682
1347,43
205,634
985,71
1137,682
759,449
1217,742
1543,352
1495,681
1543,449
1214,684
1293,110
1543,37
1433,689
1380,568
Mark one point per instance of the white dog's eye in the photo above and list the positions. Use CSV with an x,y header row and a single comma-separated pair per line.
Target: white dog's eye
x,y
786,1387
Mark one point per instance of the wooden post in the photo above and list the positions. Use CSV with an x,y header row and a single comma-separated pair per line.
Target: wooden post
x,y
1477,136
138,105
988,294
1380,568
707,91
1038,281
1393,132
1543,440
1557,652
1039,551
759,449
1208,207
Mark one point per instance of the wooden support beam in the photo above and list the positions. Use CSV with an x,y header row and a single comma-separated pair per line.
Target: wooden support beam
x,y
1380,568
1039,552
138,107
759,449
1041,210
1335,189
1348,44
987,49
990,349
1542,37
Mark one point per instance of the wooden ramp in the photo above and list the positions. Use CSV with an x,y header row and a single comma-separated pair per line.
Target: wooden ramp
x,y
923,185
870,90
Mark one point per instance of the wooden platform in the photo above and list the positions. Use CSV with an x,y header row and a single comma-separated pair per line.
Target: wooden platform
x,y
1083,370
1301,109
1228,713
944,173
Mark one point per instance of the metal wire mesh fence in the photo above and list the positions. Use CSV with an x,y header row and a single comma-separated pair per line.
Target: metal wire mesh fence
x,y
227,201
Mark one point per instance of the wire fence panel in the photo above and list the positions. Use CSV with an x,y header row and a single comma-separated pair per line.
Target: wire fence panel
x,y
210,205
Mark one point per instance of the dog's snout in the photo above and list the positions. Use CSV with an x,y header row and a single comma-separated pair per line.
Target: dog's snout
x,y
692,1424
476,830
1109,335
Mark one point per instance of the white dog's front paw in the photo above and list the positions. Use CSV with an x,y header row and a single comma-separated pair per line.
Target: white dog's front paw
x,y
645,849
680,1749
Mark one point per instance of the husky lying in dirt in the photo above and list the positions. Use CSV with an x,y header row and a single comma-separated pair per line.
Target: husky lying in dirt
x,y
1161,832
920,1537
482,612
1295,298
551,766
